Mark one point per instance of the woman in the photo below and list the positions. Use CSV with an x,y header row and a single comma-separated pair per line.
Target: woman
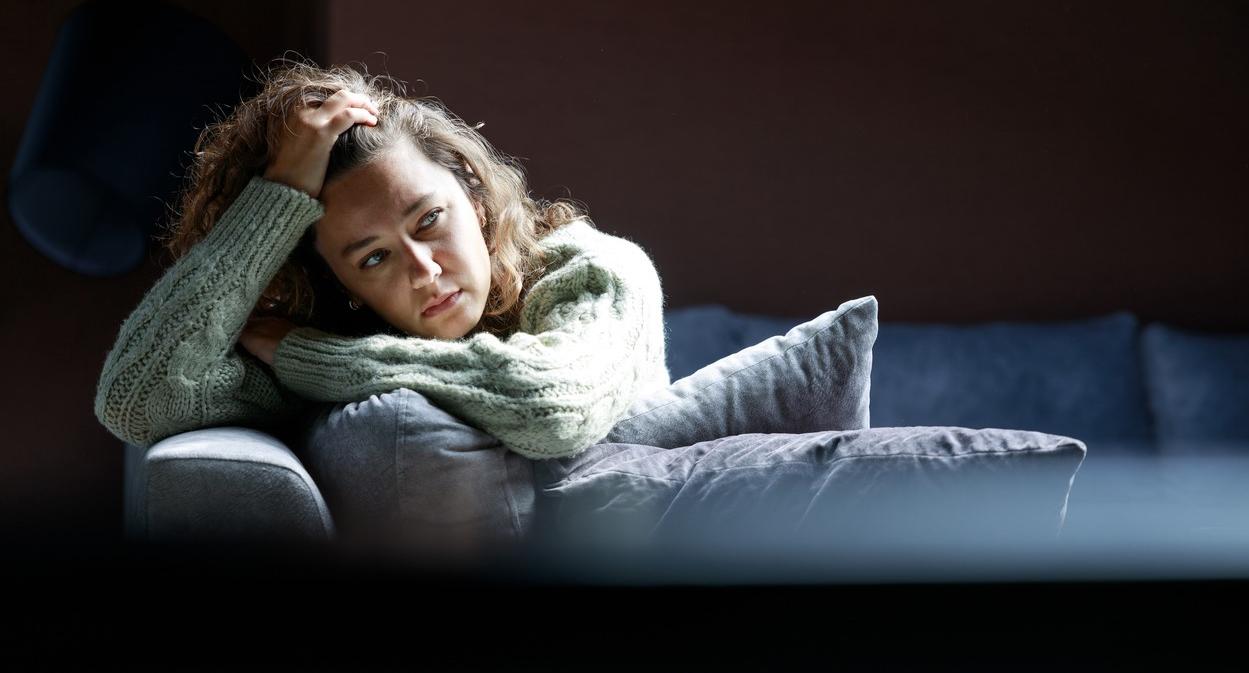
x,y
338,239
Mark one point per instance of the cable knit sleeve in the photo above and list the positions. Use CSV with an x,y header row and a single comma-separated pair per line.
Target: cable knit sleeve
x,y
174,366
591,339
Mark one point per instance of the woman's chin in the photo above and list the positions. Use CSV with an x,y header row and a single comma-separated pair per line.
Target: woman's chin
x,y
448,331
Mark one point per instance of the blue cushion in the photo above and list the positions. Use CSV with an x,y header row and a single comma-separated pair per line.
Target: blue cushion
x,y
1076,378
1198,384
815,377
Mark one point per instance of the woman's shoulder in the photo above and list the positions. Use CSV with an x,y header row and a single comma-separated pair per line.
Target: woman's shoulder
x,y
582,240
583,265
574,234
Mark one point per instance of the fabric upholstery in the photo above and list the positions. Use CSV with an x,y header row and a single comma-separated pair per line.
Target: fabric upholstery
x,y
397,463
134,497
866,486
699,335
1078,378
1198,386
230,482
814,377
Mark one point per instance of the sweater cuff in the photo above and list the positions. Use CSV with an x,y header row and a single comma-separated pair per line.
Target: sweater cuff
x,y
264,224
314,364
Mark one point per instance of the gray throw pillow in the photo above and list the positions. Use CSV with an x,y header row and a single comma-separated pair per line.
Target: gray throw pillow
x,y
396,464
814,377
396,469
909,486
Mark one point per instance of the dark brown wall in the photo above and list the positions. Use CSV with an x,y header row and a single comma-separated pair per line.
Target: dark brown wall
x,y
60,470
960,160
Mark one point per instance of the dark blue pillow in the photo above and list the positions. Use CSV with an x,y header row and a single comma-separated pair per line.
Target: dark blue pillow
x,y
1080,378
1198,384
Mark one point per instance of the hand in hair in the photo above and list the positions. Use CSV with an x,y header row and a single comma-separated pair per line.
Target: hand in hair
x,y
261,336
303,153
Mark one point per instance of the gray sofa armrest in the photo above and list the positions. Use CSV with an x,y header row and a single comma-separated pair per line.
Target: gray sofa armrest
x,y
224,482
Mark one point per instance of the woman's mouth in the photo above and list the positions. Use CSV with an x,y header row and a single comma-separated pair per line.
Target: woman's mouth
x,y
443,306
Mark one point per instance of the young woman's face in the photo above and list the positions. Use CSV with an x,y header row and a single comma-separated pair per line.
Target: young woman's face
x,y
400,233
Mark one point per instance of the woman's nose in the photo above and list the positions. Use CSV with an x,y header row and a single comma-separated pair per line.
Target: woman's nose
x,y
422,269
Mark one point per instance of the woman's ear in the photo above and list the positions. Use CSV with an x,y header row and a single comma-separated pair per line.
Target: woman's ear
x,y
481,213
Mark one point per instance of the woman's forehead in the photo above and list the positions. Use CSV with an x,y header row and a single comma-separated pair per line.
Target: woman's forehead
x,y
389,185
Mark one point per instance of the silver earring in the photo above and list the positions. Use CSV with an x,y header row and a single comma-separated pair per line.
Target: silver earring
x,y
354,306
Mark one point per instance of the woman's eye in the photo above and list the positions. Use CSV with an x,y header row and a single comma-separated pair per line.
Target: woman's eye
x,y
427,217
430,220
378,255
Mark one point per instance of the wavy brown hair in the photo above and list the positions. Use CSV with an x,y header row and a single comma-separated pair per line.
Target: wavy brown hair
x,y
229,152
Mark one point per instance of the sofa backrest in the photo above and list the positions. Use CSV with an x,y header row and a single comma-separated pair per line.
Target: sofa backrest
x,y
1198,385
1077,378
1080,378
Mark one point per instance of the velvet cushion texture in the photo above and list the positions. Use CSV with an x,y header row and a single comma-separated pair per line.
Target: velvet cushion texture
x,y
224,482
397,464
816,376
397,460
1198,386
1078,378
911,485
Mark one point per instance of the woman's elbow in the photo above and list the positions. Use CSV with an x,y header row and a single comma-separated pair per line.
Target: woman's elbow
x,y
117,413
115,422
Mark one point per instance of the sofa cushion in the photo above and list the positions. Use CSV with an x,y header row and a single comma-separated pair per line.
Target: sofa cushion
x,y
397,462
397,465
870,486
813,377
1198,386
701,334
1078,378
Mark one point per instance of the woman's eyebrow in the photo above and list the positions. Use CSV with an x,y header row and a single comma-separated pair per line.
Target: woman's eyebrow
x,y
407,212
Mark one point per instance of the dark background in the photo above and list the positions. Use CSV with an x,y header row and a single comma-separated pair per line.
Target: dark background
x,y
962,161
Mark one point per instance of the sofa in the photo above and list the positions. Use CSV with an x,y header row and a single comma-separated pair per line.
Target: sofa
x,y
1160,409
1164,411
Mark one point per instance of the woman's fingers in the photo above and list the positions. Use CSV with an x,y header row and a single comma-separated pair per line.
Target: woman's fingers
x,y
345,109
345,98
350,117
302,155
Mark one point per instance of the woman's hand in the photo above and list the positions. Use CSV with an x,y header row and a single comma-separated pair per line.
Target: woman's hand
x,y
303,153
261,336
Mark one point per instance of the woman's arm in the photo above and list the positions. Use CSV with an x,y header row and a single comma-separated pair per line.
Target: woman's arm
x,y
591,340
174,366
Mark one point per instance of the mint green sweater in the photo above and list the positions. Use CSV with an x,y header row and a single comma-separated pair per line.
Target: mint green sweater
x,y
590,341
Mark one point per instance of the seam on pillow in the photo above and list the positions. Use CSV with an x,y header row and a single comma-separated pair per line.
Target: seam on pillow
x,y
512,509
567,482
803,462
746,368
994,452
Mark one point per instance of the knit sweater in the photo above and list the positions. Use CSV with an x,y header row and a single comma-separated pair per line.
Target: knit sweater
x,y
590,341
